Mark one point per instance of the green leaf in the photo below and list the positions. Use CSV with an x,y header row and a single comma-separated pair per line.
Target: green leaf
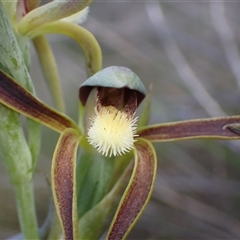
x,y
94,174
216,128
10,8
14,149
11,56
64,182
11,61
138,191
92,224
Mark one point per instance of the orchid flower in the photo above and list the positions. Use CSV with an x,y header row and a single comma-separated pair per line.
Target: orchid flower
x,y
89,185
112,131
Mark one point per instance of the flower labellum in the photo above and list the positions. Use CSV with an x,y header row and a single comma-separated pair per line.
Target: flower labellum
x,y
113,127
112,131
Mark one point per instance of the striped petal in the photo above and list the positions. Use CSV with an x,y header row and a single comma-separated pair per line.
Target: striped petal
x,y
137,193
217,128
20,100
64,182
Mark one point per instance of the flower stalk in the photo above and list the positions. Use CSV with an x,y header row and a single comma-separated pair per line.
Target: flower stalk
x,y
50,70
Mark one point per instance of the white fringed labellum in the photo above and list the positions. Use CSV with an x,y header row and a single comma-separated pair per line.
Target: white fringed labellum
x,y
112,131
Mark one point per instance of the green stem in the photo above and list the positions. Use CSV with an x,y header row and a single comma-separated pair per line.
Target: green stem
x,y
26,210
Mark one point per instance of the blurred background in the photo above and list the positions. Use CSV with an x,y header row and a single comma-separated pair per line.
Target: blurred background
x,y
189,51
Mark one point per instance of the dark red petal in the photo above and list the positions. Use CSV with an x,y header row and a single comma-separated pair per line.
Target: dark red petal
x,y
138,191
199,128
17,98
64,182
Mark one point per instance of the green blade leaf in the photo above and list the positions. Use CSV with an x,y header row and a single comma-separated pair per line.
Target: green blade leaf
x,y
64,182
12,62
11,56
13,147
10,8
94,175
17,98
199,128
50,12
92,224
138,191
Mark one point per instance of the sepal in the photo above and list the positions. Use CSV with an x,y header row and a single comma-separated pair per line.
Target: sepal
x,y
50,12
113,77
88,43
138,191
20,100
64,182
216,128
